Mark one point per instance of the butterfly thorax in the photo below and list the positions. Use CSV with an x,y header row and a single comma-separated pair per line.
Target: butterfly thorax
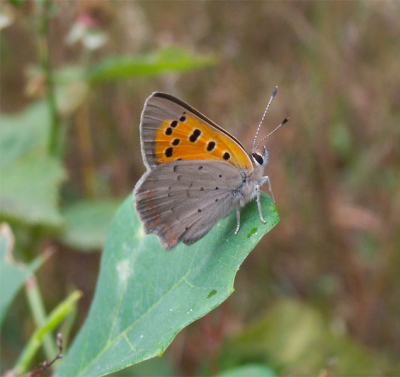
x,y
252,179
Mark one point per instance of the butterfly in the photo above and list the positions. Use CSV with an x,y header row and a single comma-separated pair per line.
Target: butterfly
x,y
196,171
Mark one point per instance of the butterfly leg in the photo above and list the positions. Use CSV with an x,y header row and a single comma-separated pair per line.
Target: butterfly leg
x,y
259,203
238,220
266,179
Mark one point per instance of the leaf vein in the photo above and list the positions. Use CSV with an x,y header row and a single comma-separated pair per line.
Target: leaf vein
x,y
129,343
123,333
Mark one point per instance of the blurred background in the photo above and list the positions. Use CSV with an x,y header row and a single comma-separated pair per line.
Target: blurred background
x,y
320,294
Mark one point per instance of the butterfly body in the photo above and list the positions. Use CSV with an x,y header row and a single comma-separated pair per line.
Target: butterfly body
x,y
197,173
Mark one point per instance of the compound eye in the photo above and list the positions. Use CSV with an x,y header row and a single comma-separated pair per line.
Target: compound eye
x,y
258,158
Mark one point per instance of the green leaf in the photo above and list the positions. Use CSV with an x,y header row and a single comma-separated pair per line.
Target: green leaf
x,y
170,59
295,339
29,191
24,134
12,274
86,224
146,295
29,178
17,2
156,367
250,370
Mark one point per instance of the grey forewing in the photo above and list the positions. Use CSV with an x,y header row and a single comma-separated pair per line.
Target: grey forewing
x,y
182,200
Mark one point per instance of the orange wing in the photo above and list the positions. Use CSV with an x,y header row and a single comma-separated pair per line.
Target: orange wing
x,y
172,130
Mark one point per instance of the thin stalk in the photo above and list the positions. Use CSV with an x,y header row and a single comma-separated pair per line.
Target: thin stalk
x,y
86,152
66,327
35,302
50,323
44,47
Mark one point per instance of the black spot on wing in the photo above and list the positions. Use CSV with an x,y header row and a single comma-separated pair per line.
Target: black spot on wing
x,y
226,156
168,152
195,135
211,145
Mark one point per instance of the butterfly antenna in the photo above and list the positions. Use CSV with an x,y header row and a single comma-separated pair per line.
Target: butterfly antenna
x,y
262,119
282,123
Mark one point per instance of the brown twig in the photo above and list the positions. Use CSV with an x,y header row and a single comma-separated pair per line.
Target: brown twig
x,y
47,364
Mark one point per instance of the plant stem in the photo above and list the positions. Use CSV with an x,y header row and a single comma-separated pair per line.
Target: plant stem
x,y
39,314
49,324
66,326
44,46
86,152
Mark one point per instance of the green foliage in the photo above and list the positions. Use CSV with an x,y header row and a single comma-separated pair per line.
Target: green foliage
x,y
250,370
29,191
146,295
31,174
86,223
30,179
157,367
50,323
295,339
167,60
340,139
24,134
16,2
12,274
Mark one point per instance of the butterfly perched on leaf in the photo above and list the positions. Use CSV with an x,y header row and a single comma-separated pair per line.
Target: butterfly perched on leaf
x,y
197,172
